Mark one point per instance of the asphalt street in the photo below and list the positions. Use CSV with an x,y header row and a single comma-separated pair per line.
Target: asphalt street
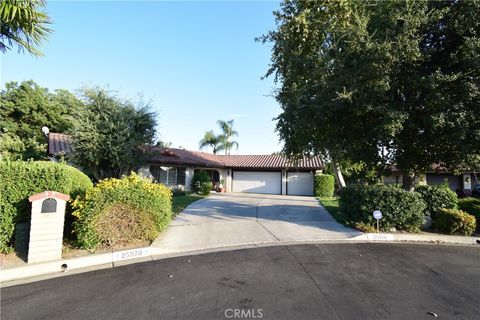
x,y
324,281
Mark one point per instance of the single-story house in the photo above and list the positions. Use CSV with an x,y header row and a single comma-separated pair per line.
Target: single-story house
x,y
269,174
462,183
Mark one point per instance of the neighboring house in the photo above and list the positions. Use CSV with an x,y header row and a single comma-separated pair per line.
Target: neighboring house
x,y
269,174
461,183
59,145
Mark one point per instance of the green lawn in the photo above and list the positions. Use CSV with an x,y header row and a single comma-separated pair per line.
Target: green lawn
x,y
180,202
331,204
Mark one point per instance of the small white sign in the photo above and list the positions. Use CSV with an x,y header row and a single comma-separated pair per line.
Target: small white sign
x,y
377,214
130,254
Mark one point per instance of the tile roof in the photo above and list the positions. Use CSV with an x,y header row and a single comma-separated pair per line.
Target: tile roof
x,y
174,156
273,161
59,143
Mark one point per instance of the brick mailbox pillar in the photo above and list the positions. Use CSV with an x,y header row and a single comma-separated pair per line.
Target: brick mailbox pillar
x,y
46,227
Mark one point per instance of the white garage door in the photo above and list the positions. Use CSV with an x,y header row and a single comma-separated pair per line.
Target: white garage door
x,y
300,183
257,182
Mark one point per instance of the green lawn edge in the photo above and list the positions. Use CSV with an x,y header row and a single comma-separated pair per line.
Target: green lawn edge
x,y
331,204
180,202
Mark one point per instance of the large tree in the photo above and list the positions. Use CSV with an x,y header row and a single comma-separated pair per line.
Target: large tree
x,y
24,24
226,137
380,82
111,136
210,139
24,109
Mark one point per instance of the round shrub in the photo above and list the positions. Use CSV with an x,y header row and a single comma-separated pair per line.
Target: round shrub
x,y
205,188
454,221
120,211
21,179
324,185
199,180
401,209
80,182
437,197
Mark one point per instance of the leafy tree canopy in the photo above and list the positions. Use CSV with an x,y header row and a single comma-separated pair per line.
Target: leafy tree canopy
x,y
223,141
24,24
110,135
210,139
379,82
225,138
24,109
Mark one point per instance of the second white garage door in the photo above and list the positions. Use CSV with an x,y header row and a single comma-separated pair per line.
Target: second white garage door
x,y
300,183
257,182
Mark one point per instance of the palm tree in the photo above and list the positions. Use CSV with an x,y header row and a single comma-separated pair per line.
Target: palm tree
x,y
227,134
24,24
210,140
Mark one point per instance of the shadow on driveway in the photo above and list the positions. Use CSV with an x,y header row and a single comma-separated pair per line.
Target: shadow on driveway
x,y
237,219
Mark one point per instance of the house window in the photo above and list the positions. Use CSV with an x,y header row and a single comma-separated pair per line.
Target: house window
x,y
170,176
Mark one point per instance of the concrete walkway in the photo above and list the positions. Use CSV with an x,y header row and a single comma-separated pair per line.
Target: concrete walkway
x,y
224,220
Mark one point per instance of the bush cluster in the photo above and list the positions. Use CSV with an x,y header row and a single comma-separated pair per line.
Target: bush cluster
x,y
401,209
118,211
324,185
205,188
454,221
21,179
437,197
471,206
201,183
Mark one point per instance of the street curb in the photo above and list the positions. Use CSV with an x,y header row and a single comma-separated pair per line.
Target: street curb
x,y
409,237
65,266
41,271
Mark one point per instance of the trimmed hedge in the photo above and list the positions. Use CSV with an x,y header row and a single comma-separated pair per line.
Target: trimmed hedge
x,y
21,179
401,209
471,206
437,197
324,185
454,221
119,211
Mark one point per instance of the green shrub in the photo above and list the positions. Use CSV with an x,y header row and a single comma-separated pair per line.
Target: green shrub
x,y
437,197
205,188
119,211
80,182
401,209
199,180
454,221
21,179
471,206
324,185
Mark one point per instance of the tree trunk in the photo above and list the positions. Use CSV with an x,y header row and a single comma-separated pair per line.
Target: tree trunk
x,y
338,175
408,181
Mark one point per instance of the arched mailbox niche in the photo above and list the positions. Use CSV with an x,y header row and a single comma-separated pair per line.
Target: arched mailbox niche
x,y
46,226
49,205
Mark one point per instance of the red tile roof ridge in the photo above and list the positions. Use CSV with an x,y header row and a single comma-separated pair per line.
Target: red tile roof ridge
x,y
59,142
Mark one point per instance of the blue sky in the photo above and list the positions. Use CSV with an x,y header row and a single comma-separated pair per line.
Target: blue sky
x,y
197,61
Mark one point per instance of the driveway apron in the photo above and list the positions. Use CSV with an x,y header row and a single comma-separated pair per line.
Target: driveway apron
x,y
224,220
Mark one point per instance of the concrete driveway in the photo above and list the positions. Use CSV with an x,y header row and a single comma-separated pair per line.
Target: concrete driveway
x,y
225,220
